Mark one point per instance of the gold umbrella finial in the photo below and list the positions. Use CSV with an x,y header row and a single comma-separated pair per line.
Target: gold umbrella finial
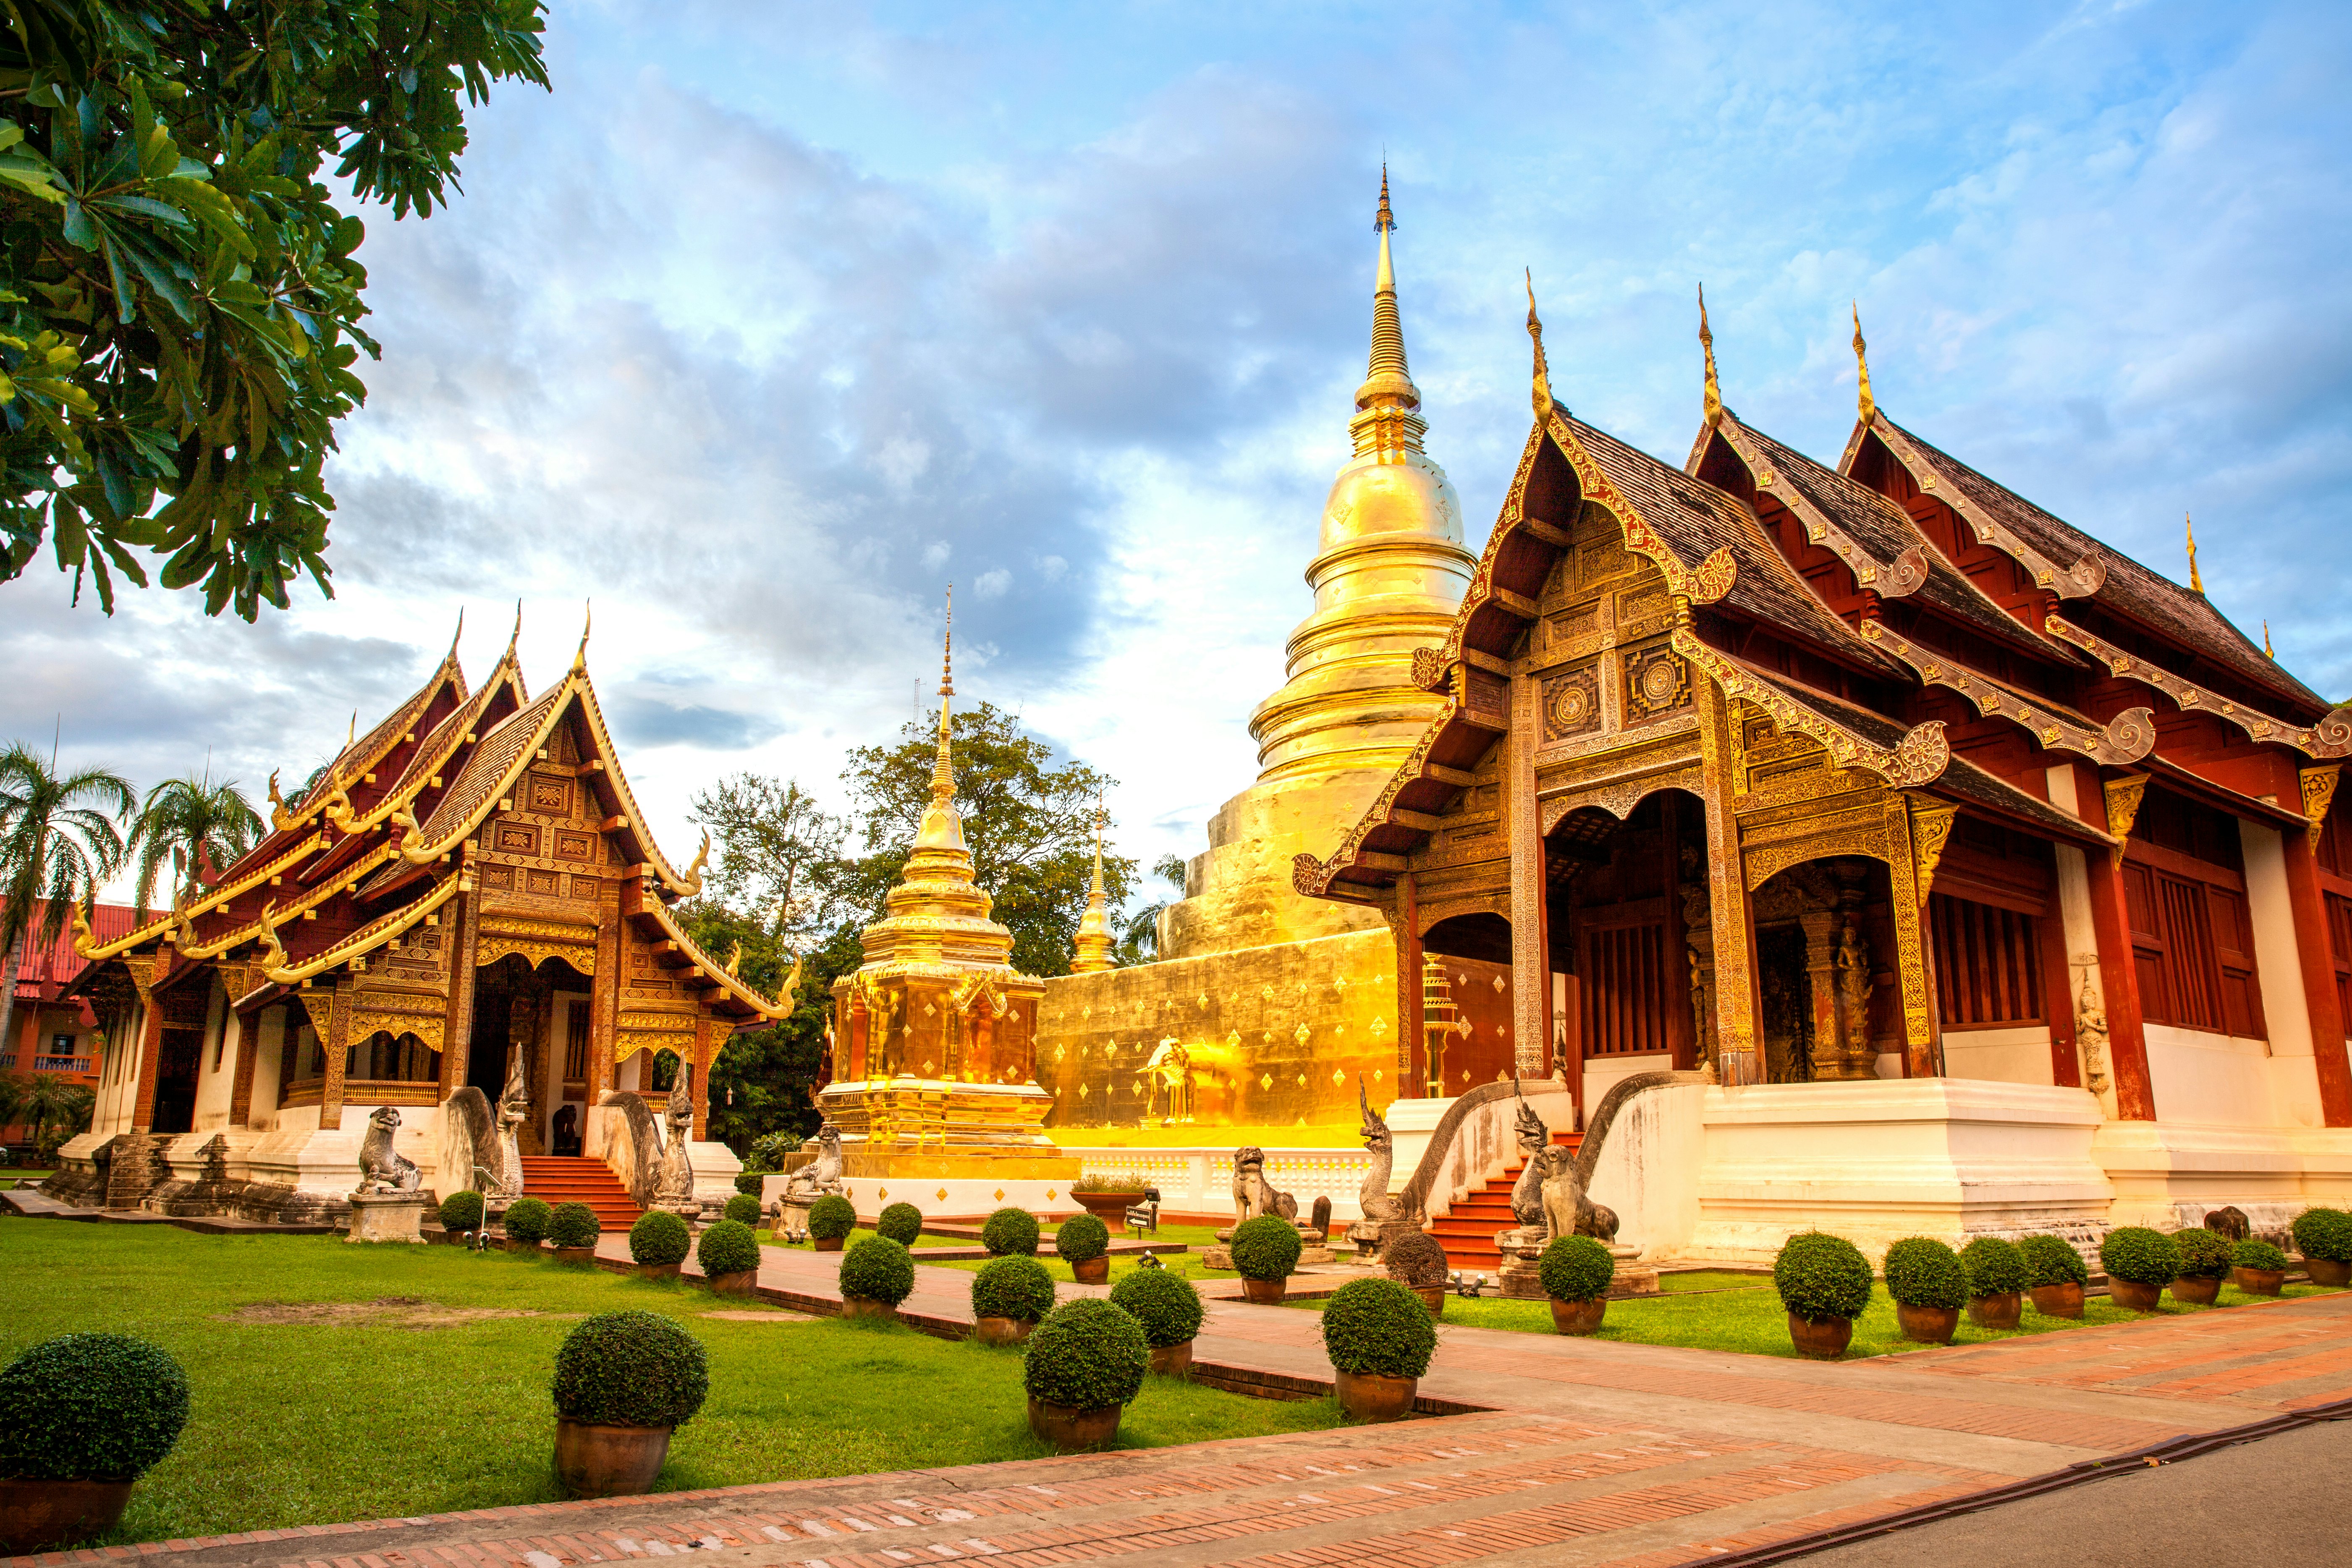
x,y
1534,334
1865,404
1706,345
943,768
1384,220
2195,583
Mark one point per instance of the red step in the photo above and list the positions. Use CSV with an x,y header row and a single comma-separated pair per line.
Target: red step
x,y
571,1178
1468,1230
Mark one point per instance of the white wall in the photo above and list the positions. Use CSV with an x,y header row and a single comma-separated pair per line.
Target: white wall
x,y
216,1067
2021,1055
269,1045
1602,1074
2206,1078
1649,1167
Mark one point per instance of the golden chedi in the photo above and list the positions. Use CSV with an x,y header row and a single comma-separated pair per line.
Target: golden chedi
x,y
936,1099
1267,1005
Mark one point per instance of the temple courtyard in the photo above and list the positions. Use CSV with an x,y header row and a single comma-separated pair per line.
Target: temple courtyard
x,y
388,1408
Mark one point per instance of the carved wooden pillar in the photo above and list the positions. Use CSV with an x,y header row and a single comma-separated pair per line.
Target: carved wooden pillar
x,y
1530,950
1827,1051
236,981
1917,830
337,1039
2315,957
1731,922
148,1053
1682,1038
711,1037
457,1058
604,992
2112,808
526,1010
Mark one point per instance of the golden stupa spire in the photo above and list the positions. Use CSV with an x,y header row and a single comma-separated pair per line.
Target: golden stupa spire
x,y
1092,949
1385,419
942,828
1541,391
1706,345
2195,583
1864,405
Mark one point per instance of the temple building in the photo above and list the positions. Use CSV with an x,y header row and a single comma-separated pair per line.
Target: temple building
x,y
1979,878
468,887
1266,1006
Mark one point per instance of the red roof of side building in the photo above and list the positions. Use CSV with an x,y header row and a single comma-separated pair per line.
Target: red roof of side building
x,y
42,972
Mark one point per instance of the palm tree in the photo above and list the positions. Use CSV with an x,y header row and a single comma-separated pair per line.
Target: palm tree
x,y
57,842
196,825
48,1098
1140,936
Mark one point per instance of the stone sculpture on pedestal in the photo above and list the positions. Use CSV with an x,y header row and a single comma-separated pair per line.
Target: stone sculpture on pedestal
x,y
389,1203
810,1182
1254,1195
1381,1210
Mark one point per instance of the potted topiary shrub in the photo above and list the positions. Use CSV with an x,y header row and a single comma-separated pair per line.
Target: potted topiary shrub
x,y
1009,1231
1379,1337
830,1220
2055,1273
1575,1271
1929,1285
573,1228
1009,1296
1084,1243
876,1276
623,1382
2324,1237
2204,1263
2140,1264
1416,1260
461,1213
82,1418
659,1242
1824,1284
743,1209
1265,1249
2257,1267
527,1223
1086,1361
1997,1275
729,1255
1168,1307
1108,1198
902,1222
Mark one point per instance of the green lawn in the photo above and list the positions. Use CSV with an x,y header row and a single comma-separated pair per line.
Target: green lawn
x,y
1710,1279
1754,1321
334,1381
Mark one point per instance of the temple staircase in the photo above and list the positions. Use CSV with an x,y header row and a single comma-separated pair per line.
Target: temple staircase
x,y
571,1178
1468,1232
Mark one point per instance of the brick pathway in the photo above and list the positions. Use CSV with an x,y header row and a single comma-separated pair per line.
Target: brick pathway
x,y
1570,1452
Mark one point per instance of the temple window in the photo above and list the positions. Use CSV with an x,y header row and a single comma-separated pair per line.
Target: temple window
x,y
382,1059
1987,964
2192,937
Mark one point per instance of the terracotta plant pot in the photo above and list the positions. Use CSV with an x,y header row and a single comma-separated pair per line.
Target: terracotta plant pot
x,y
1371,1396
743,1282
658,1270
41,1516
1579,1316
1109,1207
2058,1300
1928,1325
2130,1293
2259,1281
2196,1292
1173,1361
1068,1429
1093,1271
865,1307
828,1242
993,1331
1431,1296
607,1461
575,1254
1997,1311
2327,1272
1264,1292
1824,1341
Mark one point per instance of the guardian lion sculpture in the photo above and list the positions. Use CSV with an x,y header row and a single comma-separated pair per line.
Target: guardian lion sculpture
x,y
817,1180
1252,1194
383,1168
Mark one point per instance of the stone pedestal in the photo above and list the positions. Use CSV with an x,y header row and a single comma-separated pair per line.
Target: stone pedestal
x,y
387,1216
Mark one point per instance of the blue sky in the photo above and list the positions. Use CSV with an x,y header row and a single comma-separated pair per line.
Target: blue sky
x,y
773,318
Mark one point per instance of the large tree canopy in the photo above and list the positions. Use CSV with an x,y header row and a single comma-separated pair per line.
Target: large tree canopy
x,y
179,300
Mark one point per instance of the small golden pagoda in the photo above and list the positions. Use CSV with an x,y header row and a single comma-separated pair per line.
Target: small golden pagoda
x,y
937,1089
1090,952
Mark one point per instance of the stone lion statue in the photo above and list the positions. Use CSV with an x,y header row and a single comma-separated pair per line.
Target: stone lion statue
x,y
1252,1194
383,1168
1568,1210
814,1181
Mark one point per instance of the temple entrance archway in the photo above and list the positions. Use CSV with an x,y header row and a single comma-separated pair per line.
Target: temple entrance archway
x,y
1466,1004
1827,988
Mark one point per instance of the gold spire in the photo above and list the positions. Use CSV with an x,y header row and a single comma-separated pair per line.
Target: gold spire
x,y
941,826
1092,950
1706,344
2268,652
2195,583
1541,391
1385,419
1865,404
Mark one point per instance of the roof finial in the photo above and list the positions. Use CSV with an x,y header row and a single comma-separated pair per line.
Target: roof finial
x,y
1384,220
1542,389
587,618
352,734
2268,652
1091,950
2195,583
942,767
1706,343
1865,404
459,636
515,636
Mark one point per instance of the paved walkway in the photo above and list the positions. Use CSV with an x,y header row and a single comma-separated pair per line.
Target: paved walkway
x,y
1563,1451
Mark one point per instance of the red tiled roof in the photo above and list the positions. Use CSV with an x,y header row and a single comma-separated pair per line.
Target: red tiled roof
x,y
51,965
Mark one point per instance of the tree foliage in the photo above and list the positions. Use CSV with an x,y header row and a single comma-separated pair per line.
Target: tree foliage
x,y
57,842
197,827
180,299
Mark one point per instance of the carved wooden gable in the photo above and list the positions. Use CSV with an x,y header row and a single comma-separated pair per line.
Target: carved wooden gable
x,y
1600,650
